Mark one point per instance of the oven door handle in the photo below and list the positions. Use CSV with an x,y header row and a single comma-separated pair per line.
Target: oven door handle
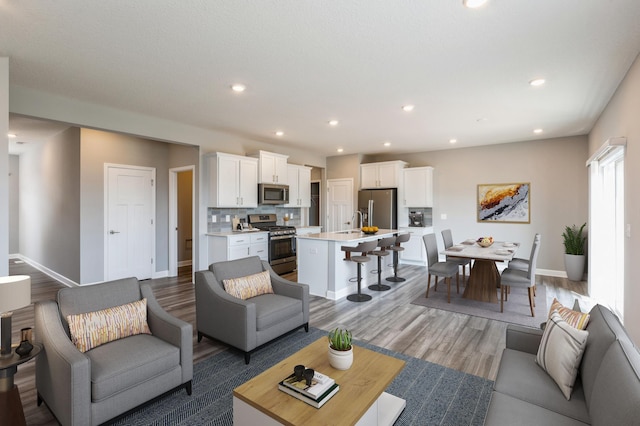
x,y
282,237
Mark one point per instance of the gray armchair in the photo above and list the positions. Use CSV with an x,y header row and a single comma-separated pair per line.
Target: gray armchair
x,y
109,380
248,324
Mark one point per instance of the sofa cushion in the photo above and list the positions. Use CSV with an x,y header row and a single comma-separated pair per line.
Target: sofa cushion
x,y
574,318
604,328
250,286
92,329
616,392
520,377
125,363
507,410
272,309
560,352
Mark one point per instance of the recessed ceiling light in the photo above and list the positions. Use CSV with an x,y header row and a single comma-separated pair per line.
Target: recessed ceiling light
x,y
453,140
12,135
333,122
537,82
340,149
537,131
387,143
238,88
472,4
408,108
279,133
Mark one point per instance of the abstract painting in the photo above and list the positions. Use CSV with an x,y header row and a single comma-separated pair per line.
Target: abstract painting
x,y
504,202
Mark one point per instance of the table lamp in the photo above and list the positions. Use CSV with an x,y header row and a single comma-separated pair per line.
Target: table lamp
x,y
15,293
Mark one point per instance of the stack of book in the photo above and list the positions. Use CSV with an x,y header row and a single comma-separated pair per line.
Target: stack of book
x,y
322,388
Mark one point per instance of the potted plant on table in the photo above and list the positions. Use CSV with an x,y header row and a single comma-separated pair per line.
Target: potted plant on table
x,y
574,257
340,349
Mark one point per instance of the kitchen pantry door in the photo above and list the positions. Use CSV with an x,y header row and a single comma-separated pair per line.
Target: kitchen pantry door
x,y
339,204
129,222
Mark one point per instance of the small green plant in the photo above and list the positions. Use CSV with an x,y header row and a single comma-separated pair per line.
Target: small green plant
x,y
574,239
340,340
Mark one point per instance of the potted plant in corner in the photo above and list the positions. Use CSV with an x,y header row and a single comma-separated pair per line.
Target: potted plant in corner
x,y
574,258
340,349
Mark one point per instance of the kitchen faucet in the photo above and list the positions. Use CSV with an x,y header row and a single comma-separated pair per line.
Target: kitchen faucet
x,y
361,222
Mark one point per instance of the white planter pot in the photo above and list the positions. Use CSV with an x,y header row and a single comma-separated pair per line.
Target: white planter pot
x,y
574,265
340,360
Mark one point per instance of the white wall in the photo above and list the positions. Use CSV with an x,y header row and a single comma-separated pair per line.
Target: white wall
x,y
621,118
14,204
4,167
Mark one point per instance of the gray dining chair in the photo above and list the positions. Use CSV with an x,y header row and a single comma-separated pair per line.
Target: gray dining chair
x,y
446,269
447,239
518,278
522,263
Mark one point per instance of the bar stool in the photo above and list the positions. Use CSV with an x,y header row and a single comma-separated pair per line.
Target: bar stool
x,y
402,238
383,250
363,248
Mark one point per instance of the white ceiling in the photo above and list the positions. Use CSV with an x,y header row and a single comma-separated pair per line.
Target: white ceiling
x,y
307,61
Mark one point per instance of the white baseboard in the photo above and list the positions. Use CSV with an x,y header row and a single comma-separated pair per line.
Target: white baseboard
x,y
53,274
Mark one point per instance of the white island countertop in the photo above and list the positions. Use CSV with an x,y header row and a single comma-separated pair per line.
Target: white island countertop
x,y
351,235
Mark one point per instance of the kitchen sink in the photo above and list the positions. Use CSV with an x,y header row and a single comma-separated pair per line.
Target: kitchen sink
x,y
349,232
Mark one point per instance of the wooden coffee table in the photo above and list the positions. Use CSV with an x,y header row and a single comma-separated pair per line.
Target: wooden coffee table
x,y
360,400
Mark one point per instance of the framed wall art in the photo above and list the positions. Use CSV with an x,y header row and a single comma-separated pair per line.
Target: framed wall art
x,y
504,202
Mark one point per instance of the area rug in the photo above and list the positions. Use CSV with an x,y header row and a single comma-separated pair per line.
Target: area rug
x,y
435,395
516,309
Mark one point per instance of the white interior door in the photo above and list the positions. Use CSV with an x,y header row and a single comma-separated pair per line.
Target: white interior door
x,y
130,228
339,204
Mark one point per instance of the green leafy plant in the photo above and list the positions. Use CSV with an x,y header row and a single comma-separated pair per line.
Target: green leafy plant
x,y
574,239
340,340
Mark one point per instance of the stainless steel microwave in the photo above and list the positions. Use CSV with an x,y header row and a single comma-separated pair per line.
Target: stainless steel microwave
x,y
269,193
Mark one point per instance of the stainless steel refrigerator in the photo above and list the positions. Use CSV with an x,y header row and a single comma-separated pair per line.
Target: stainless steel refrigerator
x,y
379,207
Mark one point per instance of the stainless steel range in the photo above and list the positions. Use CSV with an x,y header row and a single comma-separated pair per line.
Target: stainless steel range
x,y
282,242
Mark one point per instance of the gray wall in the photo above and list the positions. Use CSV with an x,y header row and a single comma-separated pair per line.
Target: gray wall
x,y
50,204
14,204
4,167
554,167
620,118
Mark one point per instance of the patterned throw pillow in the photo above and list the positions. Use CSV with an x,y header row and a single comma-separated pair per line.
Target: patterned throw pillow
x,y
573,318
249,286
93,329
560,352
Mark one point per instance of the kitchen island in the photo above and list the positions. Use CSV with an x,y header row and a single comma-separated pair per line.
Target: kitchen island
x,y
322,264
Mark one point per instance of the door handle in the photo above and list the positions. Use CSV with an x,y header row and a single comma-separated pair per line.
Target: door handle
x,y
114,232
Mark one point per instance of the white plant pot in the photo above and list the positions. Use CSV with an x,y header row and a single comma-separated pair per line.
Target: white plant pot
x,y
574,265
340,360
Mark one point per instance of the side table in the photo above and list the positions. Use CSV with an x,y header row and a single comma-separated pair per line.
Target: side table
x,y
10,404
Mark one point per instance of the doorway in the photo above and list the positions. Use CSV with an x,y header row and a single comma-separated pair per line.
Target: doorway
x,y
315,209
339,204
181,219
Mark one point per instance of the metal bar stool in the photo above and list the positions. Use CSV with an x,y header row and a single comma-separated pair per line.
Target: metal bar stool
x,y
363,248
402,238
383,250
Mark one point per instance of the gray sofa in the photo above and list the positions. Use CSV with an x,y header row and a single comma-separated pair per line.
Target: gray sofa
x,y
93,387
606,391
247,324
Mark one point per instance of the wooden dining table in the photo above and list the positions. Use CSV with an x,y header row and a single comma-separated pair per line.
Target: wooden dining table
x,y
484,278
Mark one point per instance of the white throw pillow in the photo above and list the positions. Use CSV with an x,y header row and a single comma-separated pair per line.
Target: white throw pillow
x,y
560,352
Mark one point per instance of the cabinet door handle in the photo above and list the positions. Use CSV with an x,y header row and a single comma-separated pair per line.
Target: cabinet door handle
x,y
114,232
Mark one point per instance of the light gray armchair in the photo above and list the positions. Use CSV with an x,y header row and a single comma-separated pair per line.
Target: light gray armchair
x,y
248,324
109,380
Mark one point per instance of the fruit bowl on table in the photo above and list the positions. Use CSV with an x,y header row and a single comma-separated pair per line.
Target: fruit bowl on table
x,y
485,241
369,231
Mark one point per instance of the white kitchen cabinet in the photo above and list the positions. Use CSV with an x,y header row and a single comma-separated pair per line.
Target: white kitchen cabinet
x,y
304,230
233,180
231,246
414,251
299,180
418,187
386,174
272,167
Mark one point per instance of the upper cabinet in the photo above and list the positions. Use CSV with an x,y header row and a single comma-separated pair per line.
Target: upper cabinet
x,y
233,180
387,174
418,187
272,167
299,179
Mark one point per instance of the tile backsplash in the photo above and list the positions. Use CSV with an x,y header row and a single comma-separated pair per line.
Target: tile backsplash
x,y
222,225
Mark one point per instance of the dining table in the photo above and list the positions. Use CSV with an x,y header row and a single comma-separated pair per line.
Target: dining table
x,y
484,278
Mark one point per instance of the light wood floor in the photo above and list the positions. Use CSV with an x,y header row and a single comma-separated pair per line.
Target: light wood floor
x,y
470,344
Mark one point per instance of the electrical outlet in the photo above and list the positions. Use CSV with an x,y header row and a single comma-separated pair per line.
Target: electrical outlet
x,y
227,218
214,218
443,216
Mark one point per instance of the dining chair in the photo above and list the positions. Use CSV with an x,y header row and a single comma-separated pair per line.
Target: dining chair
x,y
518,278
446,269
522,263
447,238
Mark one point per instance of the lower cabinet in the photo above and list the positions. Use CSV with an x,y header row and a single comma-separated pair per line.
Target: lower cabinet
x,y
414,251
227,246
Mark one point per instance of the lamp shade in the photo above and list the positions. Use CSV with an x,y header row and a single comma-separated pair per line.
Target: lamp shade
x,y
15,292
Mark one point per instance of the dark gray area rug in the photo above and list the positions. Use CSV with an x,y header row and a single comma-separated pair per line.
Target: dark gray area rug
x,y
435,395
516,309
